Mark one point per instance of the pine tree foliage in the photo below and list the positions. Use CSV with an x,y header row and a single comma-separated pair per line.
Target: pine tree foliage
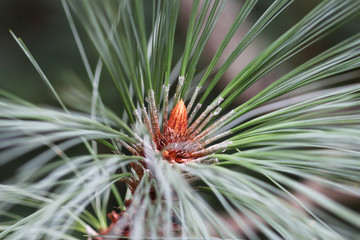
x,y
263,166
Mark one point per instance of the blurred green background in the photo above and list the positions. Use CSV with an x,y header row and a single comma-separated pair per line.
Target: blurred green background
x,y
43,26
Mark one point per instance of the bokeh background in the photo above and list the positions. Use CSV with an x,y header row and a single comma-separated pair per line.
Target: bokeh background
x,y
43,26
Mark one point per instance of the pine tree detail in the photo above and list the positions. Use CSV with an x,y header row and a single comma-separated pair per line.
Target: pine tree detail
x,y
178,140
179,147
211,133
177,124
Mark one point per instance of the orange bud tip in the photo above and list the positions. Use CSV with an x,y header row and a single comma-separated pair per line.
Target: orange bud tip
x,y
177,123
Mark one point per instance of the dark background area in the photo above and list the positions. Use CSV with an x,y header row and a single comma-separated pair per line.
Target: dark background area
x,y
43,26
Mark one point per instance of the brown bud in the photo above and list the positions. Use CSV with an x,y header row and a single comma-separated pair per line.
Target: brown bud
x,y
177,124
